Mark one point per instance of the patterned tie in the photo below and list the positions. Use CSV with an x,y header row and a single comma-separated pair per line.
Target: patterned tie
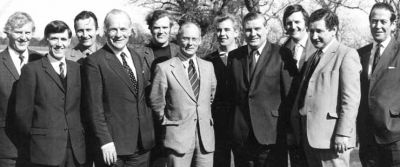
x,y
194,80
62,72
376,56
130,72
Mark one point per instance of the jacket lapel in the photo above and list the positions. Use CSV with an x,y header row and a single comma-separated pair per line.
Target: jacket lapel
x,y
52,73
245,64
262,61
9,64
202,74
117,67
139,71
386,57
179,73
326,57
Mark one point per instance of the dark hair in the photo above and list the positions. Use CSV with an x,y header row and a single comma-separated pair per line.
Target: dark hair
x,y
382,5
220,18
330,18
86,15
252,16
293,9
57,26
156,15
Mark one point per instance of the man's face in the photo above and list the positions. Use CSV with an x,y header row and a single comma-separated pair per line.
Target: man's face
x,y
19,38
161,31
189,40
118,31
86,32
58,44
320,36
226,34
295,26
255,32
380,24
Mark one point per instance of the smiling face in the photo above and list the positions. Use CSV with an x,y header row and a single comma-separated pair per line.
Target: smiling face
x,y
86,32
255,32
226,33
189,39
19,38
161,30
58,44
118,31
380,25
320,36
295,26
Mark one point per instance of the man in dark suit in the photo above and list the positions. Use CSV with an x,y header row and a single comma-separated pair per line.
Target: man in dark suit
x,y
295,52
227,32
255,78
378,122
86,30
114,84
48,104
328,96
12,59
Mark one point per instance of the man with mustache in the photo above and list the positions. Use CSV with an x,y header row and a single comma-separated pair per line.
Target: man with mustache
x,y
326,106
48,99
227,31
257,88
19,29
378,123
86,30
114,83
295,51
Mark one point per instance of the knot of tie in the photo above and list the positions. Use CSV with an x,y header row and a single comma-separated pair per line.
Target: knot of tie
x,y
377,55
21,57
62,72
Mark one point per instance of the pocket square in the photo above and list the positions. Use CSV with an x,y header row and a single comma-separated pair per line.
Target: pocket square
x,y
391,67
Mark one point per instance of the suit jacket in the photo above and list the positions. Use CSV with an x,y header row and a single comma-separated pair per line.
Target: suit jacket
x,y
48,114
8,79
257,100
220,106
173,101
379,110
332,97
118,114
150,60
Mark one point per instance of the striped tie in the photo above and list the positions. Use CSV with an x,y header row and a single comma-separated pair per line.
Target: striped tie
x,y
194,80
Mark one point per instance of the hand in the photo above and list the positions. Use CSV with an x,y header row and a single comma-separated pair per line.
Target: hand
x,y
109,153
341,143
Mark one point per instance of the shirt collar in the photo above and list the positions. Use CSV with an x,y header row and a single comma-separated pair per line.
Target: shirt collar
x,y
302,42
186,60
327,46
16,54
385,43
260,49
90,50
53,60
116,52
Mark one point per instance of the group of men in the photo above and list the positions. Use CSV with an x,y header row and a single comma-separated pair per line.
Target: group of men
x,y
160,104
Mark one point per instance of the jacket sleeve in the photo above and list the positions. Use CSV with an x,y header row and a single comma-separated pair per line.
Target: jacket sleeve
x,y
158,92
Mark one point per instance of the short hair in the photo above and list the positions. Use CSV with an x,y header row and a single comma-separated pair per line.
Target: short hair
x,y
86,15
382,5
252,16
18,20
57,26
293,9
115,12
185,24
152,17
222,17
330,18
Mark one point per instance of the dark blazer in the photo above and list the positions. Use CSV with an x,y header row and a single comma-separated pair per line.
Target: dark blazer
x,y
256,100
220,105
117,114
379,110
8,78
48,114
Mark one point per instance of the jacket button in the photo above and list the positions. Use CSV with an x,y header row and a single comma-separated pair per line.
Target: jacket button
x,y
65,129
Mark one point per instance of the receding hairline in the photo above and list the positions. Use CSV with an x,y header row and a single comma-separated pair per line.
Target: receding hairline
x,y
116,12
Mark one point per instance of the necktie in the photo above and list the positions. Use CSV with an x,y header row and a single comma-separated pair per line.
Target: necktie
x,y
130,72
62,72
21,57
376,56
252,61
194,80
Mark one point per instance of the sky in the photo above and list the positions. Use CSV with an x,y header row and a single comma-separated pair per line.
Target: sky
x,y
44,11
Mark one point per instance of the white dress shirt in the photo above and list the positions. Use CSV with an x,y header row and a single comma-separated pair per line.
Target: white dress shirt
x,y
298,49
56,64
185,62
384,44
258,54
128,58
15,58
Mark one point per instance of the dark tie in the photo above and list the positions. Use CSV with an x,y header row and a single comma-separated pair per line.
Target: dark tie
x,y
194,80
130,72
21,57
62,75
376,56
252,61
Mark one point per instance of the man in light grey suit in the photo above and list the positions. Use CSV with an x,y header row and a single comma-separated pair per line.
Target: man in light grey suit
x,y
181,95
329,95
